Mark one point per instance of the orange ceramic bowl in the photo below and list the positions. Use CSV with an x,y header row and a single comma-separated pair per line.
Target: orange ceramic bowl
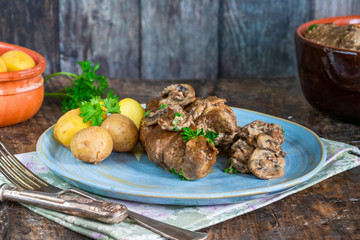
x,y
329,76
21,92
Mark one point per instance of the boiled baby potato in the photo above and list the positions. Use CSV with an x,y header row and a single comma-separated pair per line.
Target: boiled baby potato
x,y
17,60
132,109
3,67
67,125
92,144
123,131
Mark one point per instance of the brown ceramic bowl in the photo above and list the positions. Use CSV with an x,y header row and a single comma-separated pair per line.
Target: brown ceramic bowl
x,y
329,77
21,92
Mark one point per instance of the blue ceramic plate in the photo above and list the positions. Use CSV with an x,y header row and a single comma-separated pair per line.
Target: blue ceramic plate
x,y
131,176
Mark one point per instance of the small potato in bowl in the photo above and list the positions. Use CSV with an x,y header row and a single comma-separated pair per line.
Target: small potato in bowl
x,y
123,130
92,144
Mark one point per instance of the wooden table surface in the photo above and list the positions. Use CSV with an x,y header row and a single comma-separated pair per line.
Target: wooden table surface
x,y
328,210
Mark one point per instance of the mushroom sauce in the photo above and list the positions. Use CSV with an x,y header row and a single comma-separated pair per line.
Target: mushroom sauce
x,y
332,35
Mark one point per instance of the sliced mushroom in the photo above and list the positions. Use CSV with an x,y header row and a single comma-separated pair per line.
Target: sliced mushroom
x,y
265,141
265,164
196,108
181,94
202,105
276,132
251,130
220,119
175,119
155,116
239,155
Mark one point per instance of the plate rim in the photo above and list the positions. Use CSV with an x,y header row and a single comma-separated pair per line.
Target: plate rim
x,y
194,196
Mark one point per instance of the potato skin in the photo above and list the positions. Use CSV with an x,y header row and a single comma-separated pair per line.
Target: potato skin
x,y
67,125
123,131
92,144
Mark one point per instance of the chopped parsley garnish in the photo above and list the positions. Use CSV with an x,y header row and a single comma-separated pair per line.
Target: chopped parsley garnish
x,y
230,169
180,174
147,113
96,108
188,133
162,106
312,27
176,119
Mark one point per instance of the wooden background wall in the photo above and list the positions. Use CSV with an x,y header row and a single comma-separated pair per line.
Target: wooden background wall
x,y
166,39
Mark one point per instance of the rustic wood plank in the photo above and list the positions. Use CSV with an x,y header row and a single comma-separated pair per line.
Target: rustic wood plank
x,y
179,39
256,37
4,221
32,24
355,7
325,8
328,210
105,31
29,225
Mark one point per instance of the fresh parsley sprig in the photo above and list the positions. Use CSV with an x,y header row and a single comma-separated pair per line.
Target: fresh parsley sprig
x,y
210,136
188,133
180,174
95,109
82,88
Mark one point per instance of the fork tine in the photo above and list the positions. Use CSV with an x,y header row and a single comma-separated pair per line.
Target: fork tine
x,y
8,176
12,173
18,172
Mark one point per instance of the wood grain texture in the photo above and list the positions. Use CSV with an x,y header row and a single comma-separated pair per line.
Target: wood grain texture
x,y
4,221
32,24
325,8
162,39
327,210
179,39
256,37
105,31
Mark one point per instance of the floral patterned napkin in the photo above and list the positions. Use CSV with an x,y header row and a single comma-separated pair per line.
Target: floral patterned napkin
x,y
192,218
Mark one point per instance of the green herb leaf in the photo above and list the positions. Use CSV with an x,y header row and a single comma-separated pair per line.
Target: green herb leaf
x,y
230,169
188,133
210,136
180,174
176,120
112,105
82,88
94,111
147,113
312,27
162,106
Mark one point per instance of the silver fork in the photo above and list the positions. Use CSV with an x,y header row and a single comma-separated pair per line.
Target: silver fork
x,y
30,189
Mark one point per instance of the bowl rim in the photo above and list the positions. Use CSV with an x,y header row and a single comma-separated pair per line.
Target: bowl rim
x,y
27,73
339,20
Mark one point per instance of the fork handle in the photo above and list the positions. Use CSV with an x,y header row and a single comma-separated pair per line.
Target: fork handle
x,y
100,210
94,208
